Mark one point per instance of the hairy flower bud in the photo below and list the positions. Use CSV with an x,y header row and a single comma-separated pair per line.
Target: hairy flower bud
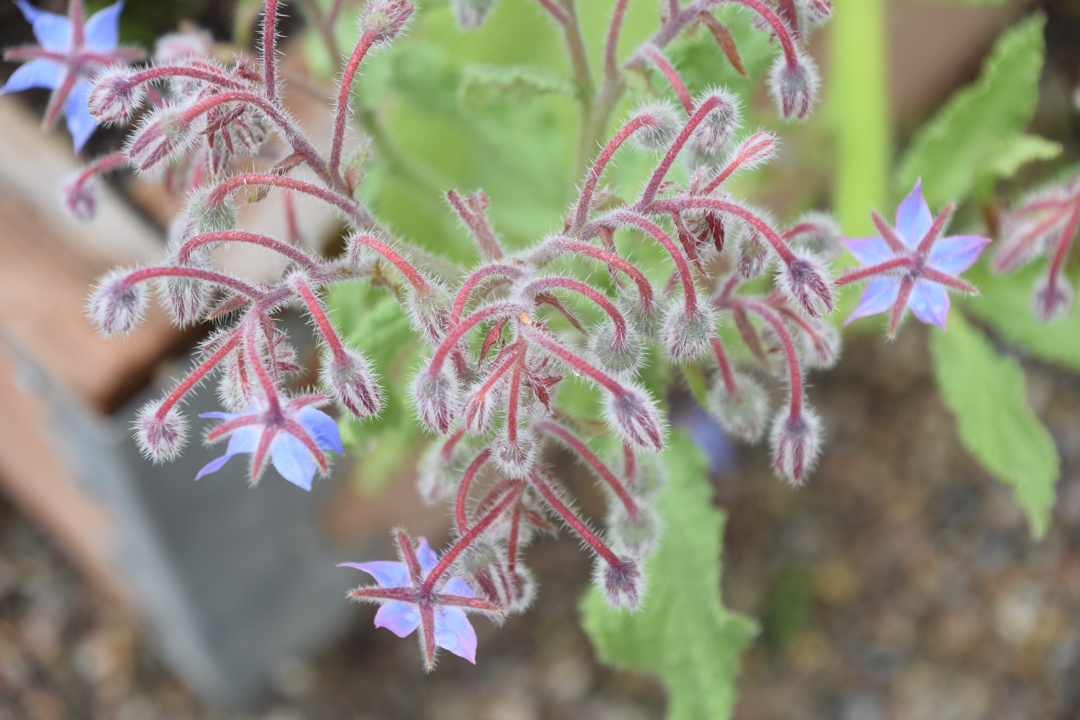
x,y
429,312
633,415
647,322
487,568
115,98
796,442
163,137
471,13
1052,299
817,232
436,397
807,281
718,126
794,88
755,150
686,336
208,215
622,582
515,458
351,382
616,358
644,475
185,298
659,135
635,536
822,348
117,305
753,254
743,415
385,18
160,437
481,406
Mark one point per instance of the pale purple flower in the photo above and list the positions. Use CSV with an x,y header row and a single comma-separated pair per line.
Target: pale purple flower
x,y
71,50
911,265
412,599
292,432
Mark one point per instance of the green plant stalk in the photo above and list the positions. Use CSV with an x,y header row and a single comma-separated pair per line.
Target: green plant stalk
x,y
861,112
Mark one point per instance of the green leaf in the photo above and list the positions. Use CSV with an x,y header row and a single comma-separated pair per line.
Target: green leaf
x,y
1005,304
1001,159
482,85
986,393
947,150
683,633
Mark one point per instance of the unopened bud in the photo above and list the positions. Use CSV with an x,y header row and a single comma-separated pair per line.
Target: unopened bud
x,y
348,376
819,234
794,88
515,457
164,136
718,126
614,357
807,281
385,19
117,305
796,442
436,397
821,349
756,150
160,437
753,254
481,407
235,386
635,535
658,136
817,12
622,582
646,321
633,415
207,214
645,476
687,334
429,311
471,13
185,298
115,98
1053,298
744,413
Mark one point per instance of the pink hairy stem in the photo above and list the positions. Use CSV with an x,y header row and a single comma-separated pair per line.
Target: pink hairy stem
x,y
478,225
627,217
553,428
668,70
611,46
787,44
209,276
697,202
341,111
767,314
886,268
468,538
197,375
484,272
251,348
319,316
196,73
341,202
706,107
461,511
297,256
269,51
568,516
543,284
560,351
581,211
419,284
1010,256
645,289
730,386
100,166
497,309
513,399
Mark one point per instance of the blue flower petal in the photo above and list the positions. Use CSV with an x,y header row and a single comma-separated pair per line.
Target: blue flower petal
x,y
913,217
292,459
879,296
102,29
400,618
870,250
80,123
322,428
930,303
244,440
386,573
53,32
427,557
954,255
454,633
457,586
40,73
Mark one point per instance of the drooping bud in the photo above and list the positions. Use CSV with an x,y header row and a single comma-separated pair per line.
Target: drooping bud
x,y
743,414
185,298
818,233
436,397
646,321
481,406
515,457
717,127
687,335
349,377
755,150
471,13
794,87
658,136
753,255
1053,297
633,415
160,438
429,312
235,386
385,18
622,582
817,12
821,349
487,569
206,214
644,474
163,137
115,98
637,535
796,443
807,281
117,305
80,194
616,358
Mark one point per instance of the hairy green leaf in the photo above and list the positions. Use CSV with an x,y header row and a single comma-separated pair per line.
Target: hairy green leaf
x,y
986,393
1001,159
683,633
482,85
947,150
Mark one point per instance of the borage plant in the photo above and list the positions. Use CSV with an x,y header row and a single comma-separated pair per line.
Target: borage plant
x,y
499,347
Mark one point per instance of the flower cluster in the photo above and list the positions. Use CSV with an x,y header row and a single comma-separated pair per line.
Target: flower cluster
x,y
488,388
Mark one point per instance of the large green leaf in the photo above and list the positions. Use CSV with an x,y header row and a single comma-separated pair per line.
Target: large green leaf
x,y
947,151
683,633
986,392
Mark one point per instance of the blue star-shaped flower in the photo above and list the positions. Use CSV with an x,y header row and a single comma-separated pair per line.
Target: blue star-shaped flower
x,y
912,266
293,433
410,600
72,50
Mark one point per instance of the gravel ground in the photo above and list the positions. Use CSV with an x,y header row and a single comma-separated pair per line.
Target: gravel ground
x,y
900,584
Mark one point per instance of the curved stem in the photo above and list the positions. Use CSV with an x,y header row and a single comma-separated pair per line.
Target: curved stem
x,y
708,203
645,289
419,284
568,516
730,386
197,375
706,107
581,211
467,539
509,271
269,51
632,218
563,353
488,311
786,341
319,316
668,70
545,283
553,428
297,256
341,110
237,182
460,509
196,274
